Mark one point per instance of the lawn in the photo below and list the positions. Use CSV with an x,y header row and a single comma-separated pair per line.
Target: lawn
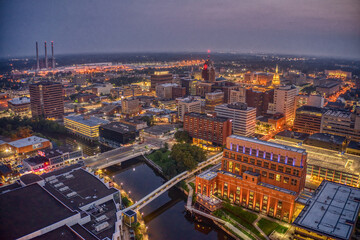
x,y
269,226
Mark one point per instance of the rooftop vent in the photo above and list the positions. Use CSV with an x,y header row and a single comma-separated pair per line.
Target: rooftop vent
x,y
64,189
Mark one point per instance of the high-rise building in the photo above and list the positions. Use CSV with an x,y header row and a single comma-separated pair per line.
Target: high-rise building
x,y
276,77
238,95
213,99
284,101
259,99
188,105
207,130
160,78
208,72
243,117
259,175
342,123
47,100
308,119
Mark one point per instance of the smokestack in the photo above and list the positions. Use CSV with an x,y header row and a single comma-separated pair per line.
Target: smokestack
x,y
46,60
52,54
37,57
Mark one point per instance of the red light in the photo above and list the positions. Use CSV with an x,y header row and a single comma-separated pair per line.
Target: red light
x,y
208,51
205,66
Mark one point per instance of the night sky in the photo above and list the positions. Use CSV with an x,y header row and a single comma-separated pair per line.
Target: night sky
x,y
308,27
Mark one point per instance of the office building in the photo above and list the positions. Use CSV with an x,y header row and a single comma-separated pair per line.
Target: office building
x,y
208,72
259,99
308,119
86,127
259,175
178,92
328,89
328,141
102,89
47,100
339,74
160,78
207,130
213,99
331,213
188,105
243,117
69,203
165,91
116,134
309,100
284,102
130,106
238,95
20,106
342,123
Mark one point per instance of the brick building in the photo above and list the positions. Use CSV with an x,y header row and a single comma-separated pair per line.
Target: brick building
x,y
206,129
259,175
308,119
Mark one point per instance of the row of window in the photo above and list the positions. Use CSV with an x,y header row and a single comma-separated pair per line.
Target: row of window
x,y
263,164
240,169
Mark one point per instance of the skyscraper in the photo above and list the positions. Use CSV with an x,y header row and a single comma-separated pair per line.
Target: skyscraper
x,y
284,101
47,100
208,72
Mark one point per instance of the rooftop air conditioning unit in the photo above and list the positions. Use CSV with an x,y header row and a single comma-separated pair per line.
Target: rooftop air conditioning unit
x,y
64,189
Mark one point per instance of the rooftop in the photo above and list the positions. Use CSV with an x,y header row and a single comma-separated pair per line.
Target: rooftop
x,y
36,160
292,134
310,109
27,141
329,138
30,178
332,211
338,113
208,175
161,129
29,209
354,145
270,144
119,127
61,233
207,117
90,121
18,101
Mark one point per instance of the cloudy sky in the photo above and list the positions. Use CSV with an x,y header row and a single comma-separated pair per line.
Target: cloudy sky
x,y
316,27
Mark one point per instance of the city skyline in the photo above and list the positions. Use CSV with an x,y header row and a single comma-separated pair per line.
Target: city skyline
x,y
321,28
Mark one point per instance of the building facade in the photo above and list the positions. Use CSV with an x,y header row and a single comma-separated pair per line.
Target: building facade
x,y
160,78
243,117
130,106
188,105
213,99
20,106
308,119
47,100
116,134
259,99
258,175
206,130
284,101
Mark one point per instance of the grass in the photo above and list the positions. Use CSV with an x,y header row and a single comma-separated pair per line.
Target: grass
x,y
269,226
238,211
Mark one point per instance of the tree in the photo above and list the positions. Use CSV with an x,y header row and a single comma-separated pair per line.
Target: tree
x,y
182,137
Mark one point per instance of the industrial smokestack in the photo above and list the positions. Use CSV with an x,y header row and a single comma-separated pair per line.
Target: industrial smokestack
x,y
37,57
52,54
46,60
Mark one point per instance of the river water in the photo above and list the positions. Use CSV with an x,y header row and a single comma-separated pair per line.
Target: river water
x,y
165,217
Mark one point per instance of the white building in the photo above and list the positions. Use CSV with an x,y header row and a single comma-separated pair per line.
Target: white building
x,y
284,102
243,117
102,89
188,105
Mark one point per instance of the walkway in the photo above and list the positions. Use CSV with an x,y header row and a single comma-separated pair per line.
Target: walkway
x,y
259,229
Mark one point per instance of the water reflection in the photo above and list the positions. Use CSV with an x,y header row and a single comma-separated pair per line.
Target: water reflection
x,y
165,217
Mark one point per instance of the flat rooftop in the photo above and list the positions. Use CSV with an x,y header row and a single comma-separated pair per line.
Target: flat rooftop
x,y
119,127
293,135
332,211
161,129
29,209
91,121
205,116
270,144
327,138
61,233
208,175
21,100
27,141
77,188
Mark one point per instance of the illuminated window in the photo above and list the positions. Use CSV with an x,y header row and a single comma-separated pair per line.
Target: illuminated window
x,y
278,177
230,166
286,180
264,174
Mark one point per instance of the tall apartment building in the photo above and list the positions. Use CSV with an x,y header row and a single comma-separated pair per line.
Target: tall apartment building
x,y
243,117
47,100
207,130
342,123
259,99
259,175
308,119
284,101
213,99
160,78
188,105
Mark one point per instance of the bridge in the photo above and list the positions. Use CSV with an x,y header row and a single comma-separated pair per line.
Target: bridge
x,y
117,156
172,182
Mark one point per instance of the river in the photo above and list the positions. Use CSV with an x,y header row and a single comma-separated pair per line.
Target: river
x,y
165,217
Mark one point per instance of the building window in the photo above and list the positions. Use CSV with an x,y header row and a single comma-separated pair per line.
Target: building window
x,y
296,172
271,175
252,161
280,168
237,190
257,171
237,168
273,166
288,170
230,166
293,182
278,177
258,162
266,165
226,154
275,157
232,155
290,161
243,168
268,155
286,180
282,159
247,150
261,154
250,169
264,174
245,159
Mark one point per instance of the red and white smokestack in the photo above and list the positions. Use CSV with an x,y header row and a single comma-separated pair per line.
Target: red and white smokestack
x,y
37,57
46,59
52,55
